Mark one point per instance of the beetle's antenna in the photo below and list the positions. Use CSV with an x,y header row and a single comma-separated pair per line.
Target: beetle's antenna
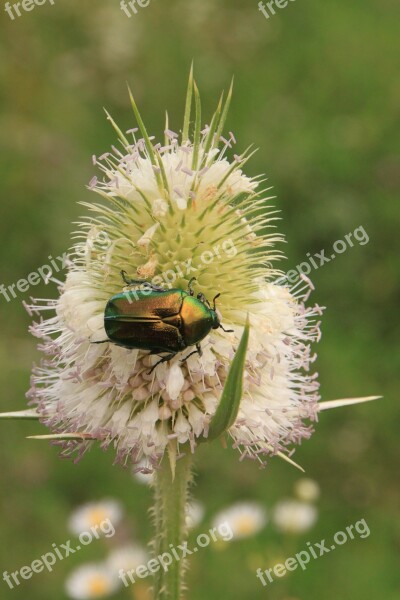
x,y
190,288
217,296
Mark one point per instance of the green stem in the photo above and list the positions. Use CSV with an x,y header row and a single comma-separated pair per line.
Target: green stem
x,y
171,497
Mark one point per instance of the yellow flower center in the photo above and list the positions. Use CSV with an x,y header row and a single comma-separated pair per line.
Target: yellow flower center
x,y
97,516
98,586
245,525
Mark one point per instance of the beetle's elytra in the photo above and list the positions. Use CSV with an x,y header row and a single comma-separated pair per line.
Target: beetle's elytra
x,y
159,320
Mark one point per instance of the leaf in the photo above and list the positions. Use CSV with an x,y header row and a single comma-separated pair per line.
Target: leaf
x,y
117,129
166,141
30,415
224,115
188,108
228,407
147,141
208,142
197,128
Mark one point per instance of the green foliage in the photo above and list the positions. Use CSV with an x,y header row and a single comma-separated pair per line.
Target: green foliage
x,y
316,90
228,407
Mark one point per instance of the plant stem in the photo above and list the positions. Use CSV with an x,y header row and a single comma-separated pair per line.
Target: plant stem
x,y
171,497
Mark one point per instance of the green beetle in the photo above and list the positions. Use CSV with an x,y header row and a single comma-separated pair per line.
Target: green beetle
x,y
160,320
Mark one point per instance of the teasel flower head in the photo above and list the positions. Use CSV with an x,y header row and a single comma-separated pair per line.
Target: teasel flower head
x,y
167,212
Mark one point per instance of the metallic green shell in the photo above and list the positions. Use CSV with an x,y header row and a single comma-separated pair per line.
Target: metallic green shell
x,y
197,320
167,321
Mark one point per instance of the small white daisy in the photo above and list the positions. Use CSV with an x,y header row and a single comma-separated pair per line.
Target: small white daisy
x,y
127,558
94,514
291,516
245,519
307,489
194,514
91,581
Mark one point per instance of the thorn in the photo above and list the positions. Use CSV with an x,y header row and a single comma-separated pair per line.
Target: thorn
x,y
346,402
21,414
62,436
290,461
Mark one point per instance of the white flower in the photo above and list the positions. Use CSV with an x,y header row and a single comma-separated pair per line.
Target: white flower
x,y
291,516
91,581
143,472
307,489
194,514
177,211
127,558
175,381
160,208
245,519
94,514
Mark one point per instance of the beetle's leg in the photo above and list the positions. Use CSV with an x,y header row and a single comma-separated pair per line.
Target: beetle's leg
x,y
162,360
227,330
197,351
140,282
155,288
130,281
102,342
217,296
190,289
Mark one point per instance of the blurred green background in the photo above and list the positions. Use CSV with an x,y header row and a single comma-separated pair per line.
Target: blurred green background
x,y
317,89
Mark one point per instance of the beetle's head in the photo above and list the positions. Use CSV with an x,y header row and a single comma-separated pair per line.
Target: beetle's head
x,y
216,323
216,319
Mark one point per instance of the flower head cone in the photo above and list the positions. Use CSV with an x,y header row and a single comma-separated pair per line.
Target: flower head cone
x,y
166,213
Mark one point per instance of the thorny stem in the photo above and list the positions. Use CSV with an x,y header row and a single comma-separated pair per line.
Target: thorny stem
x,y
171,497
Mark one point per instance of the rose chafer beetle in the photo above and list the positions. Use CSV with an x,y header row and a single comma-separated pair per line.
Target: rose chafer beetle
x,y
160,320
